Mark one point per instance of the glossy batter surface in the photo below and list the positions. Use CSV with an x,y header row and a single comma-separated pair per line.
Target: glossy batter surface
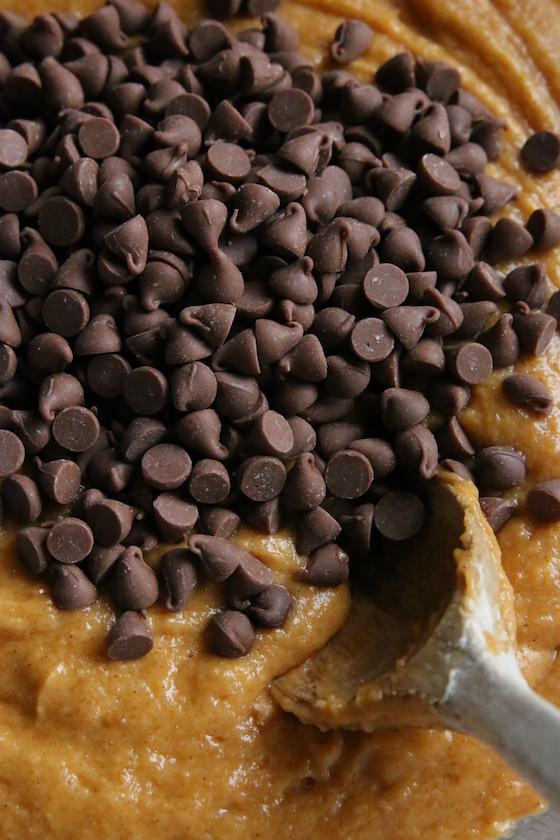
x,y
185,746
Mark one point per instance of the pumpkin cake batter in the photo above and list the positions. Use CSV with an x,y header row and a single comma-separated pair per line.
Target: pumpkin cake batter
x,y
182,745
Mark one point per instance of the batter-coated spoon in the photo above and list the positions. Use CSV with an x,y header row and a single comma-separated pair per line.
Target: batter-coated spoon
x,y
434,646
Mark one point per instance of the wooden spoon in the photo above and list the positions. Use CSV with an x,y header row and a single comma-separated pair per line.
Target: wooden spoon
x,y
434,646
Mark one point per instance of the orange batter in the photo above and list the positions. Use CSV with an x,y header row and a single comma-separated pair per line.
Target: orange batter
x,y
184,746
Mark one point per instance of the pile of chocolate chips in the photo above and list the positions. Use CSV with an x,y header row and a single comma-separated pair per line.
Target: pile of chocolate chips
x,y
234,289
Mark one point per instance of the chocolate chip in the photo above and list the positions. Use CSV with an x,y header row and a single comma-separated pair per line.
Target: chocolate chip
x,y
325,193
385,286
10,245
527,283
60,480
177,579
544,227
315,529
399,112
145,390
309,153
351,40
106,375
13,149
140,435
499,467
32,430
21,498
227,162
508,241
437,176
402,408
201,431
426,359
417,451
134,585
399,515
279,34
488,134
450,255
447,212
219,557
431,132
209,482
166,466
220,280
327,566
129,637
348,474
553,307
49,353
265,517
450,314
110,521
484,283
371,340
534,329
495,194
527,391
230,634
103,27
70,540
249,579
32,550
66,312
8,363
174,516
476,316
397,73
12,453
502,341
497,511
205,221
304,436
290,109
408,323
193,387
271,434
218,522
453,442
71,589
470,160
100,336
76,428
18,191
271,607
305,486
541,152
449,398
439,79
346,378
471,363
107,471
252,205
38,263
262,478
543,501
61,221
100,562
379,453
460,124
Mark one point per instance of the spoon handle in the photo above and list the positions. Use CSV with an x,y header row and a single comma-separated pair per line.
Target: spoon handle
x,y
492,701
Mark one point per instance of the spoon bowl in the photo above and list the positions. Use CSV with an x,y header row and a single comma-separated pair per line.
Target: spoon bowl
x,y
431,642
